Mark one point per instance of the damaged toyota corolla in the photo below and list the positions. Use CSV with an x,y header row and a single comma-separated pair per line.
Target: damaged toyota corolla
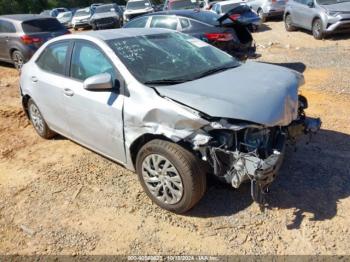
x,y
168,106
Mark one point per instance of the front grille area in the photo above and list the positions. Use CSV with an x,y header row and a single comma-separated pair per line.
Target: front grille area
x,y
107,20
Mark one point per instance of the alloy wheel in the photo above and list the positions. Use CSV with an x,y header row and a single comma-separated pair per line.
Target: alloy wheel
x,y
162,179
18,60
37,119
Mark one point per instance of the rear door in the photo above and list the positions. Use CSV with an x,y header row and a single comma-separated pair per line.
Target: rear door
x,y
95,117
49,82
7,30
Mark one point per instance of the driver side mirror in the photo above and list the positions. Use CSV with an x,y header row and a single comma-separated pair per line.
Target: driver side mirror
x,y
100,82
310,3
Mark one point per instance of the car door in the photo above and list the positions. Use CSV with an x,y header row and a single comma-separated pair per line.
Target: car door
x,y
7,30
49,82
2,40
300,10
95,117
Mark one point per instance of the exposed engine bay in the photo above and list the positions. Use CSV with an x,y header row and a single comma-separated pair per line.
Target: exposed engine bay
x,y
239,152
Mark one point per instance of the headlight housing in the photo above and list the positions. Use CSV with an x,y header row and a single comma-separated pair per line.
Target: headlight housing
x,y
333,13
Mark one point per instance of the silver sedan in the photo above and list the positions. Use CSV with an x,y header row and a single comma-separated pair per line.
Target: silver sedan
x,y
168,106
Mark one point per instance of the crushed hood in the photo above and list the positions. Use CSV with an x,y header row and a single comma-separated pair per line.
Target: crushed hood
x,y
257,92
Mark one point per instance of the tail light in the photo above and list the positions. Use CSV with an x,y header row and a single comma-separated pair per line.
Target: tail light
x,y
235,17
68,32
26,39
221,37
273,1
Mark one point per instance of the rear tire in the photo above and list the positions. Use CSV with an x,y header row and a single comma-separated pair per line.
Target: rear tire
x,y
18,60
171,176
38,121
317,29
288,23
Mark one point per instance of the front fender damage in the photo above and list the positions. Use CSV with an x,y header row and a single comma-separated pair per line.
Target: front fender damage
x,y
236,151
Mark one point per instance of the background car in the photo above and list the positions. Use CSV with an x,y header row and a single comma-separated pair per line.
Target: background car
x,y
54,12
136,8
228,35
223,7
107,17
322,17
181,4
22,35
81,18
268,8
65,19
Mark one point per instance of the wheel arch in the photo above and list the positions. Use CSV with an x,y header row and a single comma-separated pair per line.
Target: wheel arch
x,y
135,147
25,100
140,142
313,20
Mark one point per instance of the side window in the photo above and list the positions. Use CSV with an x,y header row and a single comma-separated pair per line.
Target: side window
x,y
88,60
164,22
185,23
7,27
53,59
137,23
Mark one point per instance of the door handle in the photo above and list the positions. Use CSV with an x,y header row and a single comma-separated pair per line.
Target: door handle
x,y
34,79
68,92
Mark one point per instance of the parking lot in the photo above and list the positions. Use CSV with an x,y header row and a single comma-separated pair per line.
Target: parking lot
x,y
60,198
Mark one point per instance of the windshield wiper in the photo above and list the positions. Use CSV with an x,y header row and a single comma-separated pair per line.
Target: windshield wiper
x,y
214,71
166,82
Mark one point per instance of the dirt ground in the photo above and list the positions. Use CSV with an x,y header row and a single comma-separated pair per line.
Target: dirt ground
x,y
58,198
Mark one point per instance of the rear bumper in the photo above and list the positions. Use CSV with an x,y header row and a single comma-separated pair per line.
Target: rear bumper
x,y
274,13
241,52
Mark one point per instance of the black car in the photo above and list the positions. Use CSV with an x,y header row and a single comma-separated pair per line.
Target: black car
x,y
224,32
107,17
22,35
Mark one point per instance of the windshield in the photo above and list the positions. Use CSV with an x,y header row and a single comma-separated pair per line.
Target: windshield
x,y
105,8
331,2
169,56
82,12
178,5
137,5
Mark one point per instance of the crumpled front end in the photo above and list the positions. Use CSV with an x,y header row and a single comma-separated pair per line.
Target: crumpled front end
x,y
239,152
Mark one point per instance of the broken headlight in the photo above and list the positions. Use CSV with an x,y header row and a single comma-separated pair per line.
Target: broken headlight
x,y
256,138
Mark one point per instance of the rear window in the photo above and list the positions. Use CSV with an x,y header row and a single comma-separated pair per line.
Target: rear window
x,y
206,17
42,25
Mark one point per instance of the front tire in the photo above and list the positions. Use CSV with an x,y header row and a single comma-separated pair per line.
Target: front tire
x,y
317,29
170,175
38,121
288,23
